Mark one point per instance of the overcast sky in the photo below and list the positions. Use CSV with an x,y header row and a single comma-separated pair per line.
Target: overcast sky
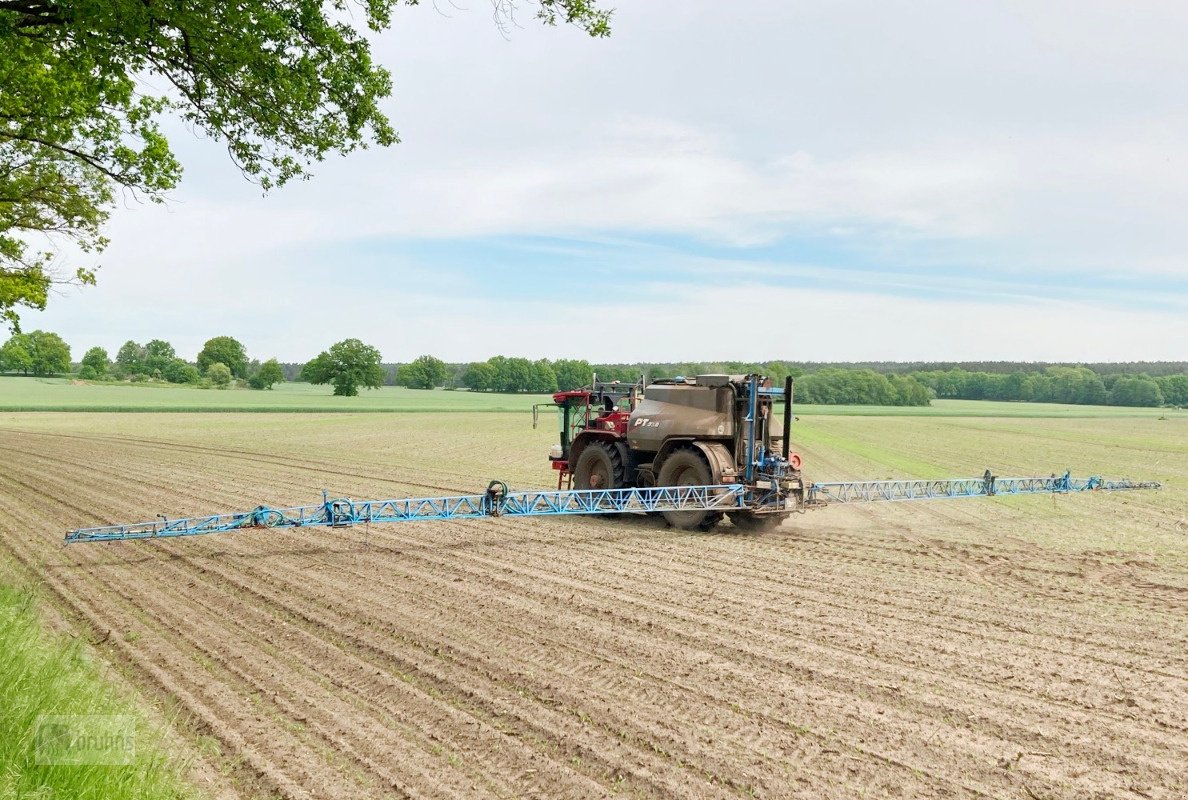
x,y
809,181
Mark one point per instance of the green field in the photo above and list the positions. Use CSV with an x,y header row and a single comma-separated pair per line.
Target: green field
x,y
63,394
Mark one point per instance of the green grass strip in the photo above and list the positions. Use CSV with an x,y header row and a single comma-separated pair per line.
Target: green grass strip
x,y
65,732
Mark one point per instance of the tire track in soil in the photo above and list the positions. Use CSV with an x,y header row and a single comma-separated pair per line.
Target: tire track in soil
x,y
880,562
590,753
369,742
506,689
690,686
647,577
323,467
747,577
198,571
1007,573
701,623
555,690
467,550
170,630
165,673
986,612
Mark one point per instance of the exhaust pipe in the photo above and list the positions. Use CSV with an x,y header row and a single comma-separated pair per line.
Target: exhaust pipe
x,y
787,417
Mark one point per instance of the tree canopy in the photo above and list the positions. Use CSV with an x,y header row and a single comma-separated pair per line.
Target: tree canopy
x,y
96,358
269,373
224,350
87,85
15,356
219,374
426,372
38,352
347,365
158,355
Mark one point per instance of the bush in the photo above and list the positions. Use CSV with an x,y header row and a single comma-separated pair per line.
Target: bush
x,y
178,371
87,373
270,372
219,374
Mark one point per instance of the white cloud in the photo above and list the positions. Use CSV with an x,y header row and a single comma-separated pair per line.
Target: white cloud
x,y
712,315
1037,140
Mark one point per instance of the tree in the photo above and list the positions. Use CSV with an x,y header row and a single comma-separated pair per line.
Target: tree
x,y
131,359
479,377
87,85
158,354
269,373
512,374
1075,385
39,352
426,372
219,374
571,374
908,391
347,365
542,378
48,353
1174,389
96,358
180,371
224,350
1136,391
15,356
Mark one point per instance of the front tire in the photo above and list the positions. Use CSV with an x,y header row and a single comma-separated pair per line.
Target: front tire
x,y
600,466
686,467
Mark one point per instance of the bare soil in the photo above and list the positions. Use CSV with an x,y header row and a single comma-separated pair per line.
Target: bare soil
x,y
1015,648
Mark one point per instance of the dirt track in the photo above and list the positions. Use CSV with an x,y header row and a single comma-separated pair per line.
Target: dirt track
x,y
944,650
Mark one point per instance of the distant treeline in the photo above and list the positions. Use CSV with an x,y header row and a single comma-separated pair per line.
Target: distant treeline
x,y
223,361
1078,385
875,383
1103,368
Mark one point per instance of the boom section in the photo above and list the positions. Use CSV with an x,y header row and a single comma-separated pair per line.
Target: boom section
x,y
496,502
952,488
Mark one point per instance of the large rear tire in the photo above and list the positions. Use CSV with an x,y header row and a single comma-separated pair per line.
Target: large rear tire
x,y
600,466
687,467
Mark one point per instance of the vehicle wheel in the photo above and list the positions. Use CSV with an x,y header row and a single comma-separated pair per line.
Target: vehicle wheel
x,y
600,466
686,467
751,522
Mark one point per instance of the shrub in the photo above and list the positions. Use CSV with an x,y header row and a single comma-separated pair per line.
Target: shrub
x,y
219,374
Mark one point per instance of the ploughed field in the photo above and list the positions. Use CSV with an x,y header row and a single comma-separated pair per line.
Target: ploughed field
x,y
1027,647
